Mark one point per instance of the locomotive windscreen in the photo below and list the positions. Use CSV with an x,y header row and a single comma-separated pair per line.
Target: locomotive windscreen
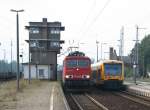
x,y
71,63
83,63
113,69
77,63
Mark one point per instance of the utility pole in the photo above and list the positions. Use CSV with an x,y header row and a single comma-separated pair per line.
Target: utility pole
x,y
102,49
97,42
17,23
0,62
30,63
11,56
121,47
4,60
137,54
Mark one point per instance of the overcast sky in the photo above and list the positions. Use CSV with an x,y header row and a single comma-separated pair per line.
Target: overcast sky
x,y
85,22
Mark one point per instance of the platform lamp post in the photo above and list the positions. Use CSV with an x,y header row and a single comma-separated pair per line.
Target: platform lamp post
x,y
17,23
21,56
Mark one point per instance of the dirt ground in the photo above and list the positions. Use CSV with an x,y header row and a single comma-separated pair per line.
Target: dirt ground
x,y
30,97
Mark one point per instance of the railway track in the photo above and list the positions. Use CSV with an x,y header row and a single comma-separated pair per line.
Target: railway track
x,y
86,102
120,101
107,100
136,95
133,97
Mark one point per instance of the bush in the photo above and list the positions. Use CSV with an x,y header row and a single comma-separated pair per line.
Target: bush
x,y
128,72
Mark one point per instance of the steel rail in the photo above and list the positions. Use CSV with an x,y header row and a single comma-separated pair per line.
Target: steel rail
x,y
96,102
74,99
135,95
133,99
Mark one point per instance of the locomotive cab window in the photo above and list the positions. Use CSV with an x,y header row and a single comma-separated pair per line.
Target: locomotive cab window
x,y
71,63
83,63
77,63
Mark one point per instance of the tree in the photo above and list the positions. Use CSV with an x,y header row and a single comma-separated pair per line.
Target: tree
x,y
144,55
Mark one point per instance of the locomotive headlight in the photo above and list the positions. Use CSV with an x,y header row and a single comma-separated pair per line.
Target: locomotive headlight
x,y
86,76
69,76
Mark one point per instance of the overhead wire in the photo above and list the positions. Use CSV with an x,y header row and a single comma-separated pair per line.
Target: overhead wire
x,y
97,16
94,20
89,13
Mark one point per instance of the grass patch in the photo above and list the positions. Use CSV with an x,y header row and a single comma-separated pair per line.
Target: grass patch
x,y
8,91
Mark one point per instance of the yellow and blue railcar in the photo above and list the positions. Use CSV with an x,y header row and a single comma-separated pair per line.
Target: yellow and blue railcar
x,y
108,73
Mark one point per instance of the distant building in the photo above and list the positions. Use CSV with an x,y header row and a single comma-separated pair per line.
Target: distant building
x,y
44,45
112,54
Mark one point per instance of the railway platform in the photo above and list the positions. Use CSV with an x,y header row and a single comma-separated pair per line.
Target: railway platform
x,y
140,88
57,98
49,96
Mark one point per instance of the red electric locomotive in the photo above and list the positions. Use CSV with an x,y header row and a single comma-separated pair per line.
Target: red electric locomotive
x,y
76,70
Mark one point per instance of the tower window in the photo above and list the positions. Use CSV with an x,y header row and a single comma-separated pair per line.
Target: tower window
x,y
34,30
54,44
32,44
55,31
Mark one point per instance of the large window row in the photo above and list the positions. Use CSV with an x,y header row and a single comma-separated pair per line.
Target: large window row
x,y
41,44
54,31
35,30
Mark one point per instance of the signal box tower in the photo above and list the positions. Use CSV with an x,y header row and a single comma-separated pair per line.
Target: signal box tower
x,y
44,45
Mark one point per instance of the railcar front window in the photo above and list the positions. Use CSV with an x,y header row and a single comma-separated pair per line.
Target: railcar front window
x,y
113,69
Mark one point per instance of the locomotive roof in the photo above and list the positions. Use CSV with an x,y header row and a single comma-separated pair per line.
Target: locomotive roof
x,y
77,57
76,53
